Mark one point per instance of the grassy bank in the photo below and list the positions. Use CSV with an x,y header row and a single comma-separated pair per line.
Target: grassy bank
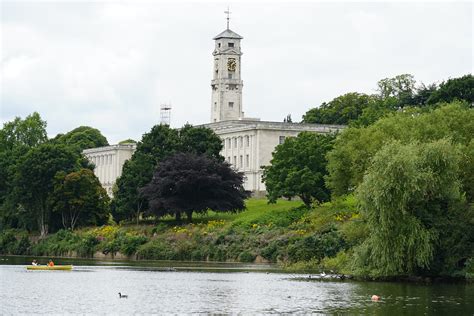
x,y
299,239
285,232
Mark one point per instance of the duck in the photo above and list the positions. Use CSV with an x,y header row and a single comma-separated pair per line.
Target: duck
x,y
122,295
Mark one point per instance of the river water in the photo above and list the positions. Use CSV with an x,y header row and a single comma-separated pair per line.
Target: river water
x,y
92,288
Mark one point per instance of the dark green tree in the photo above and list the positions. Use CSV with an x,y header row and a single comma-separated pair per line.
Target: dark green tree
x,y
34,179
161,142
199,140
341,110
79,198
17,137
83,137
298,168
454,89
185,183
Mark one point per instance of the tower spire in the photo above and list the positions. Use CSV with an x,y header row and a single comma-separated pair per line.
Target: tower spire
x,y
228,16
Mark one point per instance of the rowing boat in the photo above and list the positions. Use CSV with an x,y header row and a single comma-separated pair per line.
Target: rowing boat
x,y
65,267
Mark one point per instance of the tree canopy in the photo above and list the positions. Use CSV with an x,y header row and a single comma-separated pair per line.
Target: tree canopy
x,y
355,147
393,94
83,137
160,143
340,110
412,200
298,168
34,179
29,132
185,183
79,198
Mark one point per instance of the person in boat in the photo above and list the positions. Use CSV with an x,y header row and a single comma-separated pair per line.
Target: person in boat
x,y
34,263
50,263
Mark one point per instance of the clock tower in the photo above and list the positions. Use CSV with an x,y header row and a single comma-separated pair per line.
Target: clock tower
x,y
226,83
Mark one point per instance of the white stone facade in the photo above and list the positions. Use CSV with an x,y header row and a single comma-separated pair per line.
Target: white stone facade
x,y
109,162
226,85
248,145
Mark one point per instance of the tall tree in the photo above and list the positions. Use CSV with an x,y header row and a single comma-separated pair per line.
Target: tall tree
x,y
186,183
34,179
83,137
79,198
454,89
355,147
161,142
29,132
402,87
298,168
341,110
412,202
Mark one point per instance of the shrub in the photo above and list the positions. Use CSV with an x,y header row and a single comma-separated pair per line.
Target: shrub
x,y
246,256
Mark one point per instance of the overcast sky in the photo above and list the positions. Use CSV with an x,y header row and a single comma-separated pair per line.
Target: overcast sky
x,y
110,65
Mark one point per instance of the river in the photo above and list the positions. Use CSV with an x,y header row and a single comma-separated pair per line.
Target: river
x,y
153,288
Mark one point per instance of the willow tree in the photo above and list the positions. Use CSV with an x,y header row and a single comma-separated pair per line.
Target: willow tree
x,y
411,199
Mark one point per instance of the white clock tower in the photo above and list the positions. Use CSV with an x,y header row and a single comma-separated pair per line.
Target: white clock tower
x,y
226,83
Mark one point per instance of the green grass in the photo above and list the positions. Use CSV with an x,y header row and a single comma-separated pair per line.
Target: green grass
x,y
256,209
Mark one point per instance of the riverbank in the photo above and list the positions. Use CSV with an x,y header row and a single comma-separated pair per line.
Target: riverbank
x,y
297,239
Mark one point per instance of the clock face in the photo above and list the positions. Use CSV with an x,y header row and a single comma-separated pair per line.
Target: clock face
x,y
231,64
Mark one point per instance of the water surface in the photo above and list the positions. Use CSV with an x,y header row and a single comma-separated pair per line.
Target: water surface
x,y
248,289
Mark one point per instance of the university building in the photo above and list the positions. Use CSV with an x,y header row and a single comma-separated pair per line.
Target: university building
x,y
248,143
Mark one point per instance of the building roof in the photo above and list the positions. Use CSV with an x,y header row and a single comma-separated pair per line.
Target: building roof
x,y
228,34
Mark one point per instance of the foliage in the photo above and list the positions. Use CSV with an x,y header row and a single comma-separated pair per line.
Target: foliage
x,y
127,141
298,168
402,87
83,137
159,143
407,197
454,89
29,132
34,179
340,110
355,147
79,198
14,242
185,183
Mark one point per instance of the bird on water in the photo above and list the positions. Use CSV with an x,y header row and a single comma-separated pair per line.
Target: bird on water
x,y
122,295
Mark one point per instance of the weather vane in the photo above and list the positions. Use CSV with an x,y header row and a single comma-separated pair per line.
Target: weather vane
x,y
228,16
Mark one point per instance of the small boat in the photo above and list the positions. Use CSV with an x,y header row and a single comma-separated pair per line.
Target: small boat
x,y
45,267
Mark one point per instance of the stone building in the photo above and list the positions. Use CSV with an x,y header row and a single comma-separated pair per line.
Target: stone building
x,y
109,162
248,143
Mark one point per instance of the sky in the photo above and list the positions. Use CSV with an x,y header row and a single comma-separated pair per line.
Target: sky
x,y
111,64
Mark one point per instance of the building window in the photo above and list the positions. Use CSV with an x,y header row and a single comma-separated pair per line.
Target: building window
x,y
218,44
215,106
228,159
231,105
223,142
247,161
229,144
247,141
235,161
231,44
240,142
229,75
241,161
281,140
235,142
